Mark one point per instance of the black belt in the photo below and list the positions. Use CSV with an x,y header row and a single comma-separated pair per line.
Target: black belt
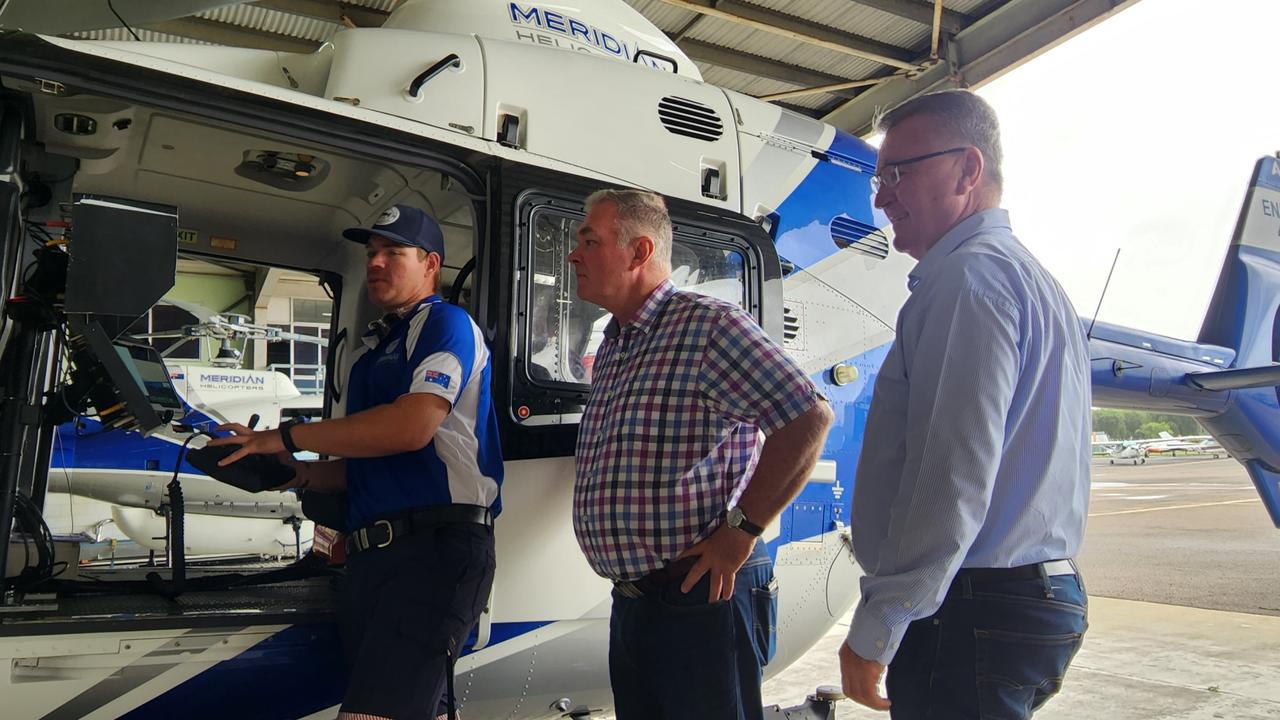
x,y
656,580
384,532
1034,571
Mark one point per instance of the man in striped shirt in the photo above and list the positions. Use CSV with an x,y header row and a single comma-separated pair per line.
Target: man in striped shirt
x,y
673,484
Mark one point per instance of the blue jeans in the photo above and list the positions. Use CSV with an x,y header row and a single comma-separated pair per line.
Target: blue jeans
x,y
995,650
674,656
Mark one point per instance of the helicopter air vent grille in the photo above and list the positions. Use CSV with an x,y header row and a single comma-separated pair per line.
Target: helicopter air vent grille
x,y
790,324
690,118
859,237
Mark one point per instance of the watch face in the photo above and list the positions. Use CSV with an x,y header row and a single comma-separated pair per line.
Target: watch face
x,y
735,517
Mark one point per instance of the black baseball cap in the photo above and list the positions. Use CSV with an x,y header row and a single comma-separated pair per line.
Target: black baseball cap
x,y
405,225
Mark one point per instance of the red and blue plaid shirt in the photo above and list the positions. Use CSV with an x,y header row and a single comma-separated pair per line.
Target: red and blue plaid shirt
x,y
671,434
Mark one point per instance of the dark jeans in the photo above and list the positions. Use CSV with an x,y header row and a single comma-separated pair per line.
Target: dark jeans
x,y
995,650
674,656
408,604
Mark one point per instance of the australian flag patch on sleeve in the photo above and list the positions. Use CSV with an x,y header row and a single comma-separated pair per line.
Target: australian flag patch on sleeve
x,y
437,377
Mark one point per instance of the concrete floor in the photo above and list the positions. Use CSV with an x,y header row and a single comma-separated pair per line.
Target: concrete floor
x,y
1140,661
1182,565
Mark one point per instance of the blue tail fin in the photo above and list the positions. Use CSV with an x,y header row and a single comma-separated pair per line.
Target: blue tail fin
x,y
1243,313
1228,379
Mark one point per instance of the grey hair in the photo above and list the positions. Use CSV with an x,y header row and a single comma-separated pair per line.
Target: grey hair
x,y
640,214
963,117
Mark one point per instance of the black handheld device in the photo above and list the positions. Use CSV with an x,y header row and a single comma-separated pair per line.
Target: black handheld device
x,y
254,473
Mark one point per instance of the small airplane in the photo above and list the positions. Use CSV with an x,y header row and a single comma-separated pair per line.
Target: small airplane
x,y
1137,451
1212,447
1168,443
1127,450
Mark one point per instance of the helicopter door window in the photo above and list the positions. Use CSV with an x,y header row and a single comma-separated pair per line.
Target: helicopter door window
x,y
564,332
709,270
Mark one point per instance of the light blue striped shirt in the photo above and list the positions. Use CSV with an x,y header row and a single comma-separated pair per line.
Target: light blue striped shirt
x,y
976,452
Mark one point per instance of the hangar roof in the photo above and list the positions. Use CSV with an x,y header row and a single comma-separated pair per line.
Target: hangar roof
x,y
838,60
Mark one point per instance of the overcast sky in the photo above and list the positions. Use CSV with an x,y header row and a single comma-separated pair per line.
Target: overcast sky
x,y
1140,133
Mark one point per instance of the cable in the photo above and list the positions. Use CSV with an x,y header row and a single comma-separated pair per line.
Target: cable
x,y
33,229
34,528
62,456
122,22
176,584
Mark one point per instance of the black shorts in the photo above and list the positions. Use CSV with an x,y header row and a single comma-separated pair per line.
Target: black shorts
x,y
407,604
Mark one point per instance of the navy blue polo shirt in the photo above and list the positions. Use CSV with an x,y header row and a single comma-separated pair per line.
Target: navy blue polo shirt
x,y
435,349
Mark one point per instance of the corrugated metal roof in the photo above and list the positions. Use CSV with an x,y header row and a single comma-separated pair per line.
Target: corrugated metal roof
x,y
668,18
769,45
270,21
383,5
730,53
849,17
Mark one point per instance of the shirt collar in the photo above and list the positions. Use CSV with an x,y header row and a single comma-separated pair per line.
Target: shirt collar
x,y
975,224
371,338
648,312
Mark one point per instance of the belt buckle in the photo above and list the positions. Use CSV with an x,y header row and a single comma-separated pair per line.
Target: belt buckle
x,y
391,533
628,589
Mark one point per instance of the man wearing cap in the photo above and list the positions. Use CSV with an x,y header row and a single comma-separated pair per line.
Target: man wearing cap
x,y
421,467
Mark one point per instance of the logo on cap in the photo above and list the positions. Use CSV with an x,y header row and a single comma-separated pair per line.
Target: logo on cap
x,y
389,216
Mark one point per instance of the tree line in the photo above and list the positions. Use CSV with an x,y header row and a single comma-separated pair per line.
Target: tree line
x,y
1137,425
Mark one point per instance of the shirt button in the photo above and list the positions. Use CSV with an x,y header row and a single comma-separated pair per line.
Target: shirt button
x,y
880,644
907,605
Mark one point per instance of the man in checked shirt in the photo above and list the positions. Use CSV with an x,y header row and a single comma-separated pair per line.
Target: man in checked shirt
x,y
673,483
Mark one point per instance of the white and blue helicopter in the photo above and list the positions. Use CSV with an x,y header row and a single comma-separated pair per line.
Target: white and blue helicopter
x,y
263,157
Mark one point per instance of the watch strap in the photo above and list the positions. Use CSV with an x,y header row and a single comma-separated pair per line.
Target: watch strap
x,y
747,526
286,435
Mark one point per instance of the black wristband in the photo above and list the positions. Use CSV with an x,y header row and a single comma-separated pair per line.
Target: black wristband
x,y
286,435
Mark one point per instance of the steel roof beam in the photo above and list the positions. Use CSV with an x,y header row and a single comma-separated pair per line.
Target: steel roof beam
x,y
227,34
936,33
328,11
793,28
851,85
1016,32
763,67
952,21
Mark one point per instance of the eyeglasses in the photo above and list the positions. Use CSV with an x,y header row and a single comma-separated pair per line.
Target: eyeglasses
x,y
889,176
